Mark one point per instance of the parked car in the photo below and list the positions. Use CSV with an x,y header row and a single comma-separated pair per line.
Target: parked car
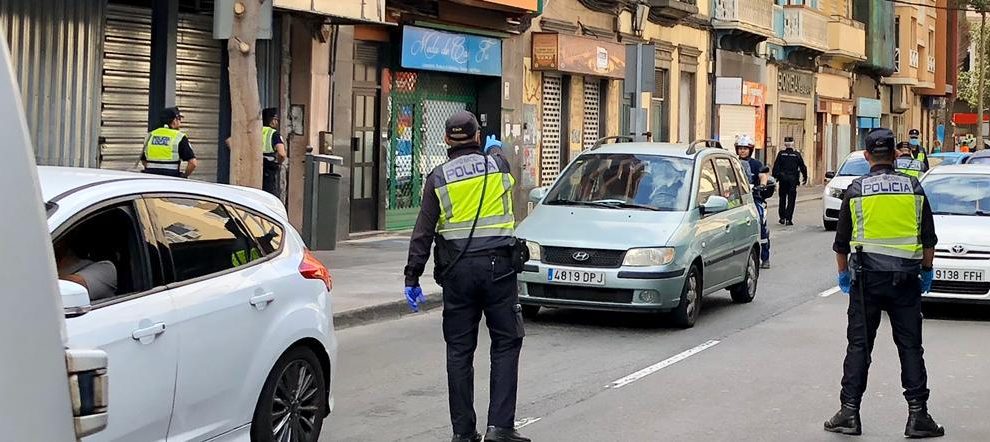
x,y
215,318
642,227
947,158
855,165
979,157
960,200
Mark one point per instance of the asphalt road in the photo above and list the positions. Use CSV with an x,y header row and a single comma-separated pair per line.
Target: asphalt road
x,y
763,371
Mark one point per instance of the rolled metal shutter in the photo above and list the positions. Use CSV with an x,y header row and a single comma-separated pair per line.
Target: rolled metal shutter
x,y
592,116
126,82
734,121
550,147
197,89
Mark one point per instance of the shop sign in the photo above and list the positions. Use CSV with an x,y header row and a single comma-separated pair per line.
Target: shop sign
x,y
834,106
755,94
451,52
578,55
796,83
529,5
368,11
868,107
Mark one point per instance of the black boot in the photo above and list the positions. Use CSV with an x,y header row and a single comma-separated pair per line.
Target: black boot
x,y
920,424
476,437
498,434
846,421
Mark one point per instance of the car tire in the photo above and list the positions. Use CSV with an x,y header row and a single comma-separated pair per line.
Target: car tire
x,y
829,225
530,311
745,291
281,407
689,308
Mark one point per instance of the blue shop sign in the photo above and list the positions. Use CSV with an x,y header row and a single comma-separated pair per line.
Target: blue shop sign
x,y
451,52
868,107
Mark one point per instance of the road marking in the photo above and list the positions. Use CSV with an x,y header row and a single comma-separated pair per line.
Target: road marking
x,y
526,421
829,292
661,365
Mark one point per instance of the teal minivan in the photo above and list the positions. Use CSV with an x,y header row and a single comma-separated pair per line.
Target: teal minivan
x,y
644,227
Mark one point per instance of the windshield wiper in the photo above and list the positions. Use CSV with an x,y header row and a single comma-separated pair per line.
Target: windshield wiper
x,y
566,202
626,205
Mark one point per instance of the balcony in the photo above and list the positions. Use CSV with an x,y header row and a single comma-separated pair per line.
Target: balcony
x,y
754,17
846,40
670,12
805,27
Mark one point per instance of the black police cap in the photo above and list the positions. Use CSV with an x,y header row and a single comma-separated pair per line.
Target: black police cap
x,y
879,140
914,133
462,126
170,113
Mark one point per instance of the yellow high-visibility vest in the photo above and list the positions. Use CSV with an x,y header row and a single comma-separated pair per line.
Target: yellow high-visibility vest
x,y
267,149
458,186
161,149
886,216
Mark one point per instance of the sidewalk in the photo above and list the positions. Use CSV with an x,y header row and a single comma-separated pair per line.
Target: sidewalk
x,y
804,193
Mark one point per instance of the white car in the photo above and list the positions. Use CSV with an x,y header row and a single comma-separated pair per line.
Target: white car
x,y
217,323
960,200
854,166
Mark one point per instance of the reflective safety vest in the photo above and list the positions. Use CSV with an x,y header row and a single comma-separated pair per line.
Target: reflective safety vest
x,y
909,166
242,257
886,213
458,185
161,149
267,149
920,156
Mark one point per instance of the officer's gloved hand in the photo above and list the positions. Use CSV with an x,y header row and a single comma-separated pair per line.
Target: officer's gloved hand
x,y
415,297
927,276
845,281
492,142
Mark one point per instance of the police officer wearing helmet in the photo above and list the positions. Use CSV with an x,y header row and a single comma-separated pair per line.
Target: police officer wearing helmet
x,y
467,211
763,188
905,162
887,219
167,147
787,169
272,151
914,135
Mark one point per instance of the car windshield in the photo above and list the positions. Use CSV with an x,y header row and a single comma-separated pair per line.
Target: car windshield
x,y
625,181
854,166
958,194
944,160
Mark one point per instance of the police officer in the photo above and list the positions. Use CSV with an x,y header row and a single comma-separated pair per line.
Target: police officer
x,y
914,135
788,167
905,162
167,147
894,244
762,189
467,209
273,151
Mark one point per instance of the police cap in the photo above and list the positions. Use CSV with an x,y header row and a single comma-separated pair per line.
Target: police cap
x,y
914,133
170,113
268,114
462,126
879,140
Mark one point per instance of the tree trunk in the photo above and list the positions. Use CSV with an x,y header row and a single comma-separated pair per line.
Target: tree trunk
x,y
245,105
980,68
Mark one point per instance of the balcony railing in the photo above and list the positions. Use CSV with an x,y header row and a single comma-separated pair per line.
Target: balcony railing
x,y
915,58
846,39
931,64
804,26
753,16
897,59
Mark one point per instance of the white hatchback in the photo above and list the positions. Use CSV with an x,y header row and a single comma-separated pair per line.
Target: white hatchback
x,y
960,200
854,166
215,318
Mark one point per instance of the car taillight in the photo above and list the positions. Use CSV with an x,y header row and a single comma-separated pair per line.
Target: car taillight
x,y
312,268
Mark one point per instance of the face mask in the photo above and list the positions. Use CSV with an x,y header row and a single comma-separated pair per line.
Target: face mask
x,y
788,145
915,142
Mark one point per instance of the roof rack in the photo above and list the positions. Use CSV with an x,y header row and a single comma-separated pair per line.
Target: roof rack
x,y
693,147
602,140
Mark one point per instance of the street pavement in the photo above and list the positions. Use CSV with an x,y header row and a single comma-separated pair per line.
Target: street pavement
x,y
773,374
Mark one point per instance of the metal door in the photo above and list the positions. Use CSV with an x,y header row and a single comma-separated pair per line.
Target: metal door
x,y
792,128
592,116
550,149
365,138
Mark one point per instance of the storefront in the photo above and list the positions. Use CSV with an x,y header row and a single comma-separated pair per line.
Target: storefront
x,y
577,76
834,130
795,112
741,111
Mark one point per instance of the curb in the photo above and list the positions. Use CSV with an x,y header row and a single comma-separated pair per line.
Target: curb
x,y
382,312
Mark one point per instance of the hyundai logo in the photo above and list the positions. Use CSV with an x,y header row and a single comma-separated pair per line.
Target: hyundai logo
x,y
958,250
581,256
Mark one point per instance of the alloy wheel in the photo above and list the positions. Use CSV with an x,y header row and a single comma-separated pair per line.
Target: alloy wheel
x,y
295,405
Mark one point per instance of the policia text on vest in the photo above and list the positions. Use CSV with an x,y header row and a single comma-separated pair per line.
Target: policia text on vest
x,y
166,147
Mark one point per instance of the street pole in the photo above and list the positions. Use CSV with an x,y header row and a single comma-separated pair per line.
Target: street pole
x,y
981,66
637,117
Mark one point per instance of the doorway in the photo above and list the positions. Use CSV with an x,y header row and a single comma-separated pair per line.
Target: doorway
x,y
365,138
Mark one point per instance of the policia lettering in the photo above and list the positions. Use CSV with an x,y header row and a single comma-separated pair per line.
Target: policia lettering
x,y
161,151
463,179
886,217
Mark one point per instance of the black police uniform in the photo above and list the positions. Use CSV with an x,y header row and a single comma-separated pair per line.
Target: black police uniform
x,y
788,169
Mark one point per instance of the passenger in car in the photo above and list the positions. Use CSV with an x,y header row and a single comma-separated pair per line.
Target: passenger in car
x,y
99,277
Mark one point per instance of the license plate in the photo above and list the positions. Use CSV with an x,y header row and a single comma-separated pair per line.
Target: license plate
x,y
580,277
964,275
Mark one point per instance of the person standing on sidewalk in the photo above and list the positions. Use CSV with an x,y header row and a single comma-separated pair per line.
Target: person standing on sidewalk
x,y
272,151
467,210
887,219
788,169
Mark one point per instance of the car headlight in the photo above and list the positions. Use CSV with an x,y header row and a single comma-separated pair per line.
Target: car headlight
x,y
835,192
649,257
534,251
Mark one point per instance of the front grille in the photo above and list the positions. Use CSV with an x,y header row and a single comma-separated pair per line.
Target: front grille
x,y
607,259
968,254
831,213
962,288
594,294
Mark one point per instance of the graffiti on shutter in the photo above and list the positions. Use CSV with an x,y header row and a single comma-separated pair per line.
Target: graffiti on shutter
x,y
550,152
592,98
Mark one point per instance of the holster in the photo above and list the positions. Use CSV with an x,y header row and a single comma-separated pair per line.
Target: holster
x,y
520,254
443,256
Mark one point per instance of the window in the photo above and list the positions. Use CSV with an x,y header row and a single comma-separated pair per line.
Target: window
x,y
202,236
267,234
729,182
708,184
625,181
661,107
687,108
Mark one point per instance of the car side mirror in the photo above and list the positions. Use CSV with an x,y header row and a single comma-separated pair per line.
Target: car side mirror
x,y
715,204
75,298
829,175
536,195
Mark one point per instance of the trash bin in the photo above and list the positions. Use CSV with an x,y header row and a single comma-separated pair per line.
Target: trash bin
x,y
321,201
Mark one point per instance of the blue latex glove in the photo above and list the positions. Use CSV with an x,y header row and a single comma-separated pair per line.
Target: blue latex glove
x,y
415,298
927,276
845,280
491,142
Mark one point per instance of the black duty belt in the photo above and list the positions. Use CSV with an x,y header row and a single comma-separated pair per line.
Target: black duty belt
x,y
504,252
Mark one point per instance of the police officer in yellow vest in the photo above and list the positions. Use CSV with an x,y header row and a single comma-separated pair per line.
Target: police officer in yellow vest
x,y
917,150
886,217
167,147
905,162
472,192
272,150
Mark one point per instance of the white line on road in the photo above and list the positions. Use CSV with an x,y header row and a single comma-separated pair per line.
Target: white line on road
x,y
829,292
661,365
526,421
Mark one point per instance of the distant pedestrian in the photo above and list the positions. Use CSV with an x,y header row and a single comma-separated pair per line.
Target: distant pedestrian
x,y
887,219
166,147
914,138
272,150
789,170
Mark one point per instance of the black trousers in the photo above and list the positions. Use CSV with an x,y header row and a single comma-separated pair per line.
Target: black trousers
x,y
270,178
475,285
788,199
900,296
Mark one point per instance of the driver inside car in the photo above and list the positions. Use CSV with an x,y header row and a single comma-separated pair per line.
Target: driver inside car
x,y
98,277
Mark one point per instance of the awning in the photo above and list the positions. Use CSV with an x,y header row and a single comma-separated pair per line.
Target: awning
x,y
342,12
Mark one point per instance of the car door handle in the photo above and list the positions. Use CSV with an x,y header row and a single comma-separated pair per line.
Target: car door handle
x,y
749,221
728,227
147,334
262,300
